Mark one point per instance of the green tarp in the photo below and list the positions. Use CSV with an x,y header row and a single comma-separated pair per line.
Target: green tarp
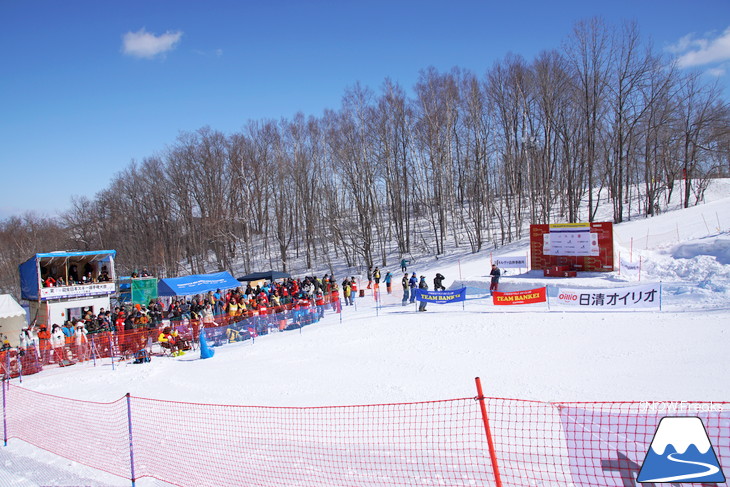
x,y
143,290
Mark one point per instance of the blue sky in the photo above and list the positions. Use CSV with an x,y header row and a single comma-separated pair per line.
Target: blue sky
x,y
88,86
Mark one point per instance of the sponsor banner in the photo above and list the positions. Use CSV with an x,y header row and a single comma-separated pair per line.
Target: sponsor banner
x,y
441,297
79,291
529,296
619,441
646,296
570,239
511,262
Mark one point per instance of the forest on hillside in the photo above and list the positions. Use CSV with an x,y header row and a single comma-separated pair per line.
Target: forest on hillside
x,y
459,160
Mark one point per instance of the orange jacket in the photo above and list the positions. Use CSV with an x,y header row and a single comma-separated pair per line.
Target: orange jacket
x,y
44,339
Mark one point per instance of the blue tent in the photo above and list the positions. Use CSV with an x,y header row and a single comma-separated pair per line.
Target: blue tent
x,y
196,284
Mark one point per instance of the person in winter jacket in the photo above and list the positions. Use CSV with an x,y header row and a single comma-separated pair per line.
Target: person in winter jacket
x,y
207,315
167,340
388,281
438,283
370,277
495,273
376,277
346,291
423,286
68,332
58,341
81,343
319,301
413,284
26,339
406,291
44,344
353,289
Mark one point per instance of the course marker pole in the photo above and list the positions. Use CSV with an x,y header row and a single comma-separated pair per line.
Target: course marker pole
x,y
490,442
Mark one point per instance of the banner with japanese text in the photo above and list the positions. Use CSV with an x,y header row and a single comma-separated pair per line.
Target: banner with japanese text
x,y
511,262
441,297
528,296
643,297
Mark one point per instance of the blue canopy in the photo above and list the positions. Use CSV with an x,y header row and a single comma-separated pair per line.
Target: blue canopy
x,y
196,284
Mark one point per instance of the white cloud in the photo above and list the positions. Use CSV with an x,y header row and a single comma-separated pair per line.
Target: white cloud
x,y
711,49
717,72
143,44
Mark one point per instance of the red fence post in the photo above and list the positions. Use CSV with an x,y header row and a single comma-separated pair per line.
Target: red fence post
x,y
487,429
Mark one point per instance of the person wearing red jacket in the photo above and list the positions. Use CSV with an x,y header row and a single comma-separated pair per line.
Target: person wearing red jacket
x,y
44,344
319,302
335,298
353,290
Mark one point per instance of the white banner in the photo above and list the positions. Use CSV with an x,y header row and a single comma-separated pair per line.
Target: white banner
x,y
647,296
511,262
634,266
102,288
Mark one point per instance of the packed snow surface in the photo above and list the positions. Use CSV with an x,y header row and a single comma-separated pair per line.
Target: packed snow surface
x,y
385,352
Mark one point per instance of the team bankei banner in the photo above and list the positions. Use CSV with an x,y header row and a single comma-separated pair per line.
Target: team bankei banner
x,y
441,297
511,262
646,296
609,449
529,296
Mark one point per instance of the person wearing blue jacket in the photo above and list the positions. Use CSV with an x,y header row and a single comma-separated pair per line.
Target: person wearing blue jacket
x,y
388,280
413,284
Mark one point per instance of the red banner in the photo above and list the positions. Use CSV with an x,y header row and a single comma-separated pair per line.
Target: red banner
x,y
529,296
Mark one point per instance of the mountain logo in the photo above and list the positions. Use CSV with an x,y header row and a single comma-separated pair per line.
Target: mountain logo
x,y
681,452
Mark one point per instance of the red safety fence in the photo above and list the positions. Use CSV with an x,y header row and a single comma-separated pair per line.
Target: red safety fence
x,y
124,344
409,444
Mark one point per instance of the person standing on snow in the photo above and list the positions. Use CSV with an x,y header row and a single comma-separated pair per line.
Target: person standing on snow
x,y
413,284
388,281
423,286
495,273
353,290
438,283
406,292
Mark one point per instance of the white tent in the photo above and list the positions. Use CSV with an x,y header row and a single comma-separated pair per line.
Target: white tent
x,y
12,318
